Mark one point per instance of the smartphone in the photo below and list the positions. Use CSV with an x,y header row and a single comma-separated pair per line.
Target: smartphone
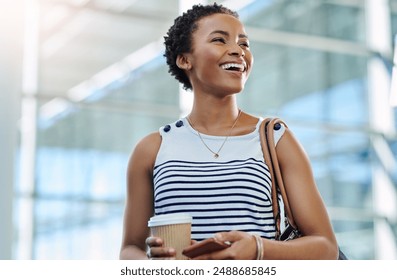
x,y
204,247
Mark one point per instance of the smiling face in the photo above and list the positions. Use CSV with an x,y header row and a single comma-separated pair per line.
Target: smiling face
x,y
220,60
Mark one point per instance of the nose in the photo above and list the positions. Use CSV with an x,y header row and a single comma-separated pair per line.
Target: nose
x,y
236,50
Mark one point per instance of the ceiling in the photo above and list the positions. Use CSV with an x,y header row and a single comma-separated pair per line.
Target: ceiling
x,y
81,38
86,44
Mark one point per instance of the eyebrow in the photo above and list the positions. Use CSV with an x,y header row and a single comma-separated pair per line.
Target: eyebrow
x,y
225,33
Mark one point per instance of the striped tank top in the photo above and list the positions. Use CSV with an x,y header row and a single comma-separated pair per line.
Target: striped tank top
x,y
231,192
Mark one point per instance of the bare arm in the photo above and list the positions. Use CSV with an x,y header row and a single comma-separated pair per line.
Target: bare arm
x,y
139,200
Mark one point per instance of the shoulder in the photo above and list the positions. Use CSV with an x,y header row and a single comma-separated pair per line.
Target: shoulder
x,y
149,142
279,127
149,145
145,152
290,150
171,128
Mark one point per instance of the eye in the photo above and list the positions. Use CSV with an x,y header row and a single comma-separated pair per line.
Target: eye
x,y
219,39
245,45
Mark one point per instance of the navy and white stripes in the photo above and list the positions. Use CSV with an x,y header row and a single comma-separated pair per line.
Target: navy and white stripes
x,y
231,192
221,196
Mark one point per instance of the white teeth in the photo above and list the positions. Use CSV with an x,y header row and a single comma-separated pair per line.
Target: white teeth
x,y
233,65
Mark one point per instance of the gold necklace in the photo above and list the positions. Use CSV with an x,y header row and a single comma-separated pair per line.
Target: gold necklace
x,y
216,154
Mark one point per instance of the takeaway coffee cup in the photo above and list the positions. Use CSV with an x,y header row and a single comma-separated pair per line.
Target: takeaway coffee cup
x,y
174,229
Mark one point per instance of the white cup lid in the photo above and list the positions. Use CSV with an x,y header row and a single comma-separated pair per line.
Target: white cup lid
x,y
169,219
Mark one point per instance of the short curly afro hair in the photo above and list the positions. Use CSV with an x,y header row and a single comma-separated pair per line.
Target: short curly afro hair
x,y
179,37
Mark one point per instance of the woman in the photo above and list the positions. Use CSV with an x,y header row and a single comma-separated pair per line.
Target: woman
x,y
210,163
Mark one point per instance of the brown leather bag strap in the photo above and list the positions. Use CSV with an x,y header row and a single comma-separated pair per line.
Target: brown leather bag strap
x,y
266,154
269,151
277,170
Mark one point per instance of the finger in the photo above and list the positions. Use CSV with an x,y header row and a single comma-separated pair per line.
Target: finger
x,y
161,252
154,241
193,242
230,236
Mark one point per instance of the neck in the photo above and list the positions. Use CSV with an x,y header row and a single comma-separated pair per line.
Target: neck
x,y
214,106
210,114
215,123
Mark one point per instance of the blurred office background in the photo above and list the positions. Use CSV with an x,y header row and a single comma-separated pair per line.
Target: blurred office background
x,y
81,81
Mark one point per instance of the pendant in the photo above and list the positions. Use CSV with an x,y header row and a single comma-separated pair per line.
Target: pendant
x,y
216,155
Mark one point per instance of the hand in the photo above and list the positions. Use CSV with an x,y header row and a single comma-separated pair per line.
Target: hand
x,y
243,247
157,251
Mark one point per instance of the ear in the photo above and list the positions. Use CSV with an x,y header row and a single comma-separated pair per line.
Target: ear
x,y
183,62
